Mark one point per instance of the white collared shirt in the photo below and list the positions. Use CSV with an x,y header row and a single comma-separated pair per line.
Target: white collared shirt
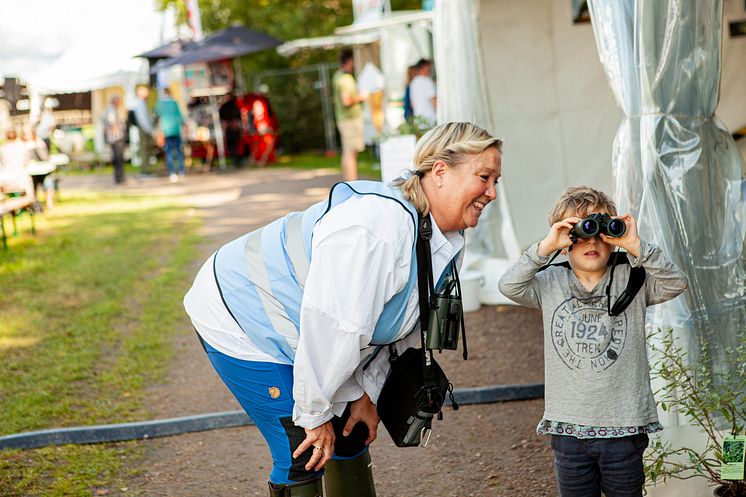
x,y
362,252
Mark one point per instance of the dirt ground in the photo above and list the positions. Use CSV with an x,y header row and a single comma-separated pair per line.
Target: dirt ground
x,y
480,450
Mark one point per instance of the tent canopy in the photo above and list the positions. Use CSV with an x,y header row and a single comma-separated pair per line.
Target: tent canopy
x,y
228,43
170,49
327,42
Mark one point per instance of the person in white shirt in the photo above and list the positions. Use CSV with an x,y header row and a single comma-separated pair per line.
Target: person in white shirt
x,y
14,157
145,128
422,92
290,314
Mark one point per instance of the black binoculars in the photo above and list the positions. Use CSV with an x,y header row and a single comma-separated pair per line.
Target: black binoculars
x,y
445,320
595,224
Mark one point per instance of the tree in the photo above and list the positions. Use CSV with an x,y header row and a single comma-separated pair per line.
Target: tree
x,y
283,19
295,99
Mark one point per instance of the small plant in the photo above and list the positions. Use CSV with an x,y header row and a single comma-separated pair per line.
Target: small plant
x,y
417,126
713,398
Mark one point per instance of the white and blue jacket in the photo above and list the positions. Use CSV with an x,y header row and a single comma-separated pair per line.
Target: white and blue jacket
x,y
261,278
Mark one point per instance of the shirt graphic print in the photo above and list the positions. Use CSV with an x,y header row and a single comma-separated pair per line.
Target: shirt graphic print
x,y
585,337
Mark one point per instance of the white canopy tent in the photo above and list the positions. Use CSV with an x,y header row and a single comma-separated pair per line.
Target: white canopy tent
x,y
102,53
103,56
632,111
535,80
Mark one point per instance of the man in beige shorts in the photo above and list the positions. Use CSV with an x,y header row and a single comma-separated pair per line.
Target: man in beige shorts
x,y
349,114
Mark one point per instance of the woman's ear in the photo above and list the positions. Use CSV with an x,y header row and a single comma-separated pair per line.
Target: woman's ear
x,y
438,170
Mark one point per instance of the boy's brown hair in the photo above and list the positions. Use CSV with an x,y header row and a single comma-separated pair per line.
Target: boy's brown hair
x,y
579,200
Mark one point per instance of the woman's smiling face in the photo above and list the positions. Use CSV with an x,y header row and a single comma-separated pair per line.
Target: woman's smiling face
x,y
467,189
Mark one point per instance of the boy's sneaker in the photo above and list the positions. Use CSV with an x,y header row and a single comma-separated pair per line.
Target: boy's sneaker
x,y
173,178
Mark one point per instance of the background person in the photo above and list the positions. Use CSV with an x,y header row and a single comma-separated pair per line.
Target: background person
x,y
422,92
115,130
47,124
39,166
288,314
14,156
599,406
349,114
170,122
145,128
407,101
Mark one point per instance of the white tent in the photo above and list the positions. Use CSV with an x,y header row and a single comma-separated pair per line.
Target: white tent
x,y
526,72
103,51
102,55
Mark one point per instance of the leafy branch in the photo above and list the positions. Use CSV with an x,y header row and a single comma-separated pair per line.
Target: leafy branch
x,y
712,396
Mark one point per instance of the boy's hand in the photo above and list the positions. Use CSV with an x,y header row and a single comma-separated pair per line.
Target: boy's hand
x,y
630,241
558,237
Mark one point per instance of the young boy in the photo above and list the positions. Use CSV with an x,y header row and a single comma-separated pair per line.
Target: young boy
x,y
599,405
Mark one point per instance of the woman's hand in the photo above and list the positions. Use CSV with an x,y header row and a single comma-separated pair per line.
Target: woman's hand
x,y
321,439
558,237
630,241
363,410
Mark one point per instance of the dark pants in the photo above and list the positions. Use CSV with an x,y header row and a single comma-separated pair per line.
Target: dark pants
x,y
173,146
586,467
117,157
145,150
265,391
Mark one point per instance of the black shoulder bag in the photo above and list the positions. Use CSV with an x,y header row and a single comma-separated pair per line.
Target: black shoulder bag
x,y
416,387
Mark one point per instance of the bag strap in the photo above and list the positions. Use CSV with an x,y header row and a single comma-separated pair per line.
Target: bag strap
x,y
634,283
425,288
463,326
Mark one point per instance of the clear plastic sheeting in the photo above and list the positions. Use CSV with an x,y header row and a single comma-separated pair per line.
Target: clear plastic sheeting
x,y
675,164
463,96
462,93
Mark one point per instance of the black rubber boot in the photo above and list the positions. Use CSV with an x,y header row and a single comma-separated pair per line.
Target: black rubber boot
x,y
350,478
310,488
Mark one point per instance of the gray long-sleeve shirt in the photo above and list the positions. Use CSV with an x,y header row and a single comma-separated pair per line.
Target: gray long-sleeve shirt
x,y
595,365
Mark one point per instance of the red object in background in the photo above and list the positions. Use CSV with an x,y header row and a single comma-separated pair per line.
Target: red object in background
x,y
259,127
249,129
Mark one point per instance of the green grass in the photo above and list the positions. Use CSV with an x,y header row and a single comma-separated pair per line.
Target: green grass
x,y
96,170
367,165
87,313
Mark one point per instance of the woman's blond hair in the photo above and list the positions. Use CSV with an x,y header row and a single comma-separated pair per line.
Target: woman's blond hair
x,y
451,143
578,200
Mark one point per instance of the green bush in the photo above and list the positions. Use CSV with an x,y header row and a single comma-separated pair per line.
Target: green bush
x,y
715,402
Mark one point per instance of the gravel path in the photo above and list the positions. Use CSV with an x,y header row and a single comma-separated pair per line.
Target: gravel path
x,y
484,450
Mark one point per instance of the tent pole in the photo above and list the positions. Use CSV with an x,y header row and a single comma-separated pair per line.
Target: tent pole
x,y
218,131
326,106
238,75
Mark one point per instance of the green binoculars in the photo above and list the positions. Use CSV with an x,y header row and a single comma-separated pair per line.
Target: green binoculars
x,y
597,224
445,322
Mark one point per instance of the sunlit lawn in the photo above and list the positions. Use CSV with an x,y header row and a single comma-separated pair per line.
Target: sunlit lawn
x,y
87,311
368,167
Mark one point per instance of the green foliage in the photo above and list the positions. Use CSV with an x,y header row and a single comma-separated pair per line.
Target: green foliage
x,y
712,401
283,19
366,164
297,101
88,309
417,126
734,451
295,98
